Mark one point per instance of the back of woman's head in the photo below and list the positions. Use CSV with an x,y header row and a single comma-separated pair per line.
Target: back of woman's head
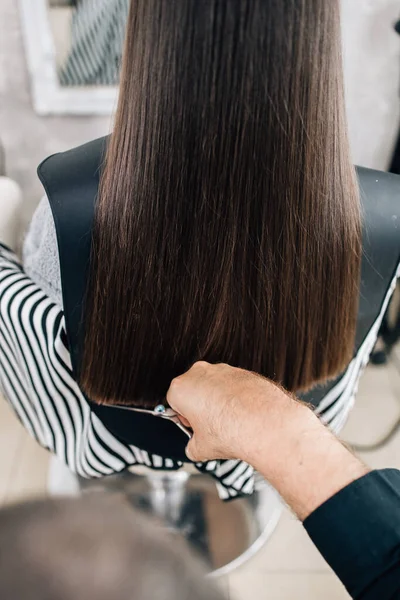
x,y
94,548
227,224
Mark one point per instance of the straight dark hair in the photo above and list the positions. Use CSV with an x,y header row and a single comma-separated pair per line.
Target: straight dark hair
x,y
227,225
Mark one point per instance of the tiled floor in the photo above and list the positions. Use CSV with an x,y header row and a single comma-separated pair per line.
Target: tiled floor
x,y
289,566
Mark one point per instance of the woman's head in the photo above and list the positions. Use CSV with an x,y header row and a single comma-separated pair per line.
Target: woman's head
x,y
227,224
95,547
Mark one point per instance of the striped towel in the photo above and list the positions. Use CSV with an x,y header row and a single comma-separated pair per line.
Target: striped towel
x,y
98,32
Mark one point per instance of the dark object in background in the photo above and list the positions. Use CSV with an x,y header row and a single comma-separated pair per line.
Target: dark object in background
x,y
62,2
2,161
390,329
395,165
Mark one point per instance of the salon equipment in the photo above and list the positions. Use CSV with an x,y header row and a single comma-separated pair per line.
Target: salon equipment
x,y
225,535
162,412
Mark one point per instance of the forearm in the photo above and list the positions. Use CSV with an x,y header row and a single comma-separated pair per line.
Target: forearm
x,y
350,514
300,457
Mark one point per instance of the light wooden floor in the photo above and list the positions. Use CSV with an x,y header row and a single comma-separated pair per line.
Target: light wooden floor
x,y
23,463
289,567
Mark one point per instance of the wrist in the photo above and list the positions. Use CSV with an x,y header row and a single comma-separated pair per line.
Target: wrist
x,y
270,423
321,467
303,460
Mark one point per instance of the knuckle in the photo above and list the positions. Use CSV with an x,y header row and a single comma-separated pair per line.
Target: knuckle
x,y
202,364
176,382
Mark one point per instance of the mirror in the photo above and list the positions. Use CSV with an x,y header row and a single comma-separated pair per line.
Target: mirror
x,y
73,50
88,37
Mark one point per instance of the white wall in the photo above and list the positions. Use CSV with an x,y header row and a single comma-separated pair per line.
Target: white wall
x,y
371,57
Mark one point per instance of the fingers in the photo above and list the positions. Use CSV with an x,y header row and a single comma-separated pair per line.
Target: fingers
x,y
194,453
190,451
183,389
176,396
184,421
199,397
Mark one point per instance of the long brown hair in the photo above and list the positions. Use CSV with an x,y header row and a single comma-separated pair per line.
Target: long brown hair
x,y
228,222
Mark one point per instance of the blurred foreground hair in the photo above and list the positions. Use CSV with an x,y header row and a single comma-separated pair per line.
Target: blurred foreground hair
x,y
93,548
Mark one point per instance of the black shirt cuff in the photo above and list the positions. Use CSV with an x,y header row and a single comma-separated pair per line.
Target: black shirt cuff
x,y
358,533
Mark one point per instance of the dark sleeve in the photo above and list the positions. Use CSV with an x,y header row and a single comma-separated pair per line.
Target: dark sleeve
x,y
357,531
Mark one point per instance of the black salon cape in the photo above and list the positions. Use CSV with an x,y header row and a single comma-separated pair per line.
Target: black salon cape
x,y
358,533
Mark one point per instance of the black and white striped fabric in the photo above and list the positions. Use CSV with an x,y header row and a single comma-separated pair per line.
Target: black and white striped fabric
x,y
36,379
97,39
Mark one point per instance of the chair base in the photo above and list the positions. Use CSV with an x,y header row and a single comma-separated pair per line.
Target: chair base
x,y
223,534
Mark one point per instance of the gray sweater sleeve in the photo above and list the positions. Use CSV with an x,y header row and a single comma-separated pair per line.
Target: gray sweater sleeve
x,y
40,252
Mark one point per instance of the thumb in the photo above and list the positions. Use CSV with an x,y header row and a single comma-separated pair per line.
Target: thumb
x,y
191,450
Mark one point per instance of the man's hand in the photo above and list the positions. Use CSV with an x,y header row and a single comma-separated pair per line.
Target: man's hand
x,y
238,414
229,409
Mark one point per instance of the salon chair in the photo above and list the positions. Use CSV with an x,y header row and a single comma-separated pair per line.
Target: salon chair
x,y
225,534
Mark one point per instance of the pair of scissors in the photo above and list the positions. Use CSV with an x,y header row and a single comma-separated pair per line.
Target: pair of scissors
x,y
164,412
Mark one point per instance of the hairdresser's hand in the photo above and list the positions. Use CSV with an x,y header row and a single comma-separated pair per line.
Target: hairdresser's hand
x,y
227,407
237,414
